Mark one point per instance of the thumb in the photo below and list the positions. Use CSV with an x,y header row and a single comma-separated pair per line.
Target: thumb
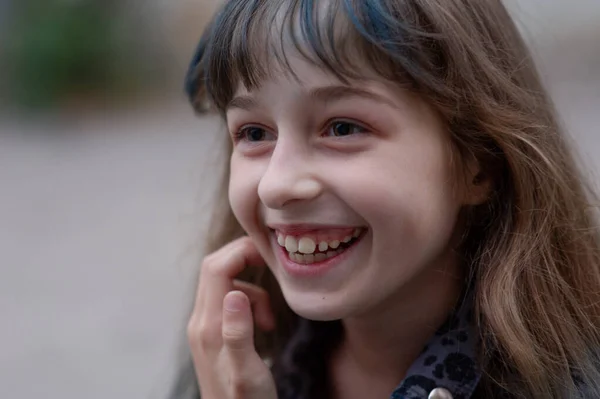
x,y
248,373
238,326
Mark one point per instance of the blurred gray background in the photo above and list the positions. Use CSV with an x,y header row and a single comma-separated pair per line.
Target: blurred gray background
x,y
106,189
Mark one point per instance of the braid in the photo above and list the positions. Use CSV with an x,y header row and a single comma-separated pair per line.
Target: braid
x,y
301,370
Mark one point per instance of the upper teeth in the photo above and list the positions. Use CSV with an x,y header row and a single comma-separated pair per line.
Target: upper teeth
x,y
307,245
291,244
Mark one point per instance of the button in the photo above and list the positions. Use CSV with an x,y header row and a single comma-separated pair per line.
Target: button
x,y
440,393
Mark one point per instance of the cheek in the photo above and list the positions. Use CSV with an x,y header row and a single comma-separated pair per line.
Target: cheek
x,y
243,193
407,197
243,198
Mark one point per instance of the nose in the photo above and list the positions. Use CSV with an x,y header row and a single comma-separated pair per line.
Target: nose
x,y
288,177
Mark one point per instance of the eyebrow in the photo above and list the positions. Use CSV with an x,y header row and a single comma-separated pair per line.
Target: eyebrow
x,y
322,94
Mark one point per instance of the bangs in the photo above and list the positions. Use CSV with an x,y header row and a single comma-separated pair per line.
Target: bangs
x,y
251,40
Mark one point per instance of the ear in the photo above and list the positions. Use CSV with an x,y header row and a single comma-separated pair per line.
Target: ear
x,y
478,185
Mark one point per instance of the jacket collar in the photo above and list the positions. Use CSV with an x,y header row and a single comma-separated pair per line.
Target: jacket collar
x,y
448,361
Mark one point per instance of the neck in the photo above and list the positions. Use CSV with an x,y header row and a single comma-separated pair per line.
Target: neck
x,y
380,346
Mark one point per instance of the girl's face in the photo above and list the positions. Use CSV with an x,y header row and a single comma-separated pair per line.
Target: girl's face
x,y
349,192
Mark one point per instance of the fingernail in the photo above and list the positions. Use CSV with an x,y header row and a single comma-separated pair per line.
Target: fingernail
x,y
234,302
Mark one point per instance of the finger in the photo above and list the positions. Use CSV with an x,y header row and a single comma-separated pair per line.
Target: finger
x,y
217,274
261,305
238,328
249,377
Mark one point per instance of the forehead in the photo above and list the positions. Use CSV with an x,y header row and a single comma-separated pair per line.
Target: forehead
x,y
310,86
299,75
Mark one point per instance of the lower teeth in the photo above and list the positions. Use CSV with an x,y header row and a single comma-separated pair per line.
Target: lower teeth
x,y
312,258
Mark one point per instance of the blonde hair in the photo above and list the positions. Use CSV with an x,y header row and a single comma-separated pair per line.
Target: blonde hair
x,y
533,248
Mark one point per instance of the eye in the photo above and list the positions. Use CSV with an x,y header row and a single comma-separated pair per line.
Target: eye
x,y
343,128
253,134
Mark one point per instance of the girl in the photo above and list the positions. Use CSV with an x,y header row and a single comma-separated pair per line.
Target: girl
x,y
398,168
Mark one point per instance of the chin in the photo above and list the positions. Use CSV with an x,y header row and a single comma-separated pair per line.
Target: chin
x,y
318,307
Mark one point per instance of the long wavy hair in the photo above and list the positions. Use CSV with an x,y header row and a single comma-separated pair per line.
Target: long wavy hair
x,y
533,248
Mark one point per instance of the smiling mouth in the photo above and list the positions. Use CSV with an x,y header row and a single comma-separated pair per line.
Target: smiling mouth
x,y
318,247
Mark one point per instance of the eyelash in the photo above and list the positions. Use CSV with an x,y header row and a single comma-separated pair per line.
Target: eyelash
x,y
240,134
363,129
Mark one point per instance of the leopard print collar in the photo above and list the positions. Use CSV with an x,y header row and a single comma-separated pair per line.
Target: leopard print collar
x,y
448,361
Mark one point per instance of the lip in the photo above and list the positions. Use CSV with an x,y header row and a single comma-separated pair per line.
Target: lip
x,y
300,229
316,269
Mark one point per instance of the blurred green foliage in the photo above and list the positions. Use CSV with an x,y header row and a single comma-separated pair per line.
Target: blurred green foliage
x,y
61,51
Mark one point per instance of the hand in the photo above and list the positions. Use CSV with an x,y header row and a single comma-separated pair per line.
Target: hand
x,y
221,328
